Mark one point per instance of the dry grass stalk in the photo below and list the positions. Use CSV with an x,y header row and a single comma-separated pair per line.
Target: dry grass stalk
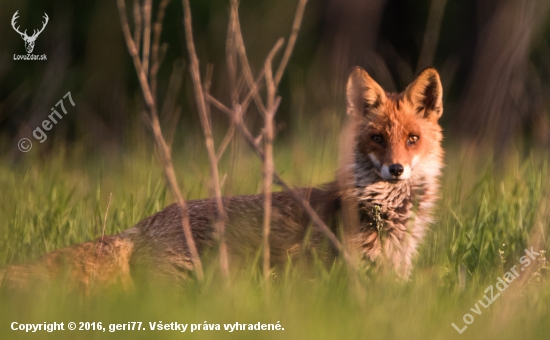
x,y
161,144
102,234
205,121
105,218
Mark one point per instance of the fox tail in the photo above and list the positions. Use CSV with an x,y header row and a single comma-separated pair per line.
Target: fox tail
x,y
98,263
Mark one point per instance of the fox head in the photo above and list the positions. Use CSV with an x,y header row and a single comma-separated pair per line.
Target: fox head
x,y
398,133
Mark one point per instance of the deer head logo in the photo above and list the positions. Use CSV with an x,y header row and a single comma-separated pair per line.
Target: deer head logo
x,y
29,41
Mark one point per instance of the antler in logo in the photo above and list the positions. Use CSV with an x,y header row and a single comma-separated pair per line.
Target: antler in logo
x,y
29,41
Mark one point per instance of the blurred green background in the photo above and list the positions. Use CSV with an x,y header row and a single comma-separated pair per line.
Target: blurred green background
x,y
494,60
493,55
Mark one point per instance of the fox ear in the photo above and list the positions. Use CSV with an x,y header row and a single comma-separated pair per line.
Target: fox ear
x,y
363,94
425,93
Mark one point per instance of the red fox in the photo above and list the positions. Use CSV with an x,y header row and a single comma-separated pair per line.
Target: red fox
x,y
390,181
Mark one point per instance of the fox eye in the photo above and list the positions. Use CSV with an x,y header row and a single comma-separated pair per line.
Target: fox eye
x,y
412,139
377,139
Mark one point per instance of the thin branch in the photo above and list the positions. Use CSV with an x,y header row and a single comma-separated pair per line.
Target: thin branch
x,y
257,84
205,121
269,81
291,41
245,65
134,53
234,84
137,24
169,111
272,105
231,58
253,90
156,57
219,105
236,116
268,180
226,141
163,148
146,35
249,139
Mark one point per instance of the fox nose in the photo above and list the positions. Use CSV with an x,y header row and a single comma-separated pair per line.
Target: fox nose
x,y
396,169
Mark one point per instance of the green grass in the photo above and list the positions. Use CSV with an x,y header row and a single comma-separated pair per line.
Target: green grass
x,y
488,213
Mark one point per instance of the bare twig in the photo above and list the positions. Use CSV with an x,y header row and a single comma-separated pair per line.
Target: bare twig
x,y
245,65
156,55
269,81
291,41
206,89
146,36
254,88
226,140
235,46
231,58
244,60
268,179
219,105
205,121
231,61
272,105
137,24
249,139
163,148
253,91
236,115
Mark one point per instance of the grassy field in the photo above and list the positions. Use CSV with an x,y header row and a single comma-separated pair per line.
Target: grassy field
x,y
489,213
